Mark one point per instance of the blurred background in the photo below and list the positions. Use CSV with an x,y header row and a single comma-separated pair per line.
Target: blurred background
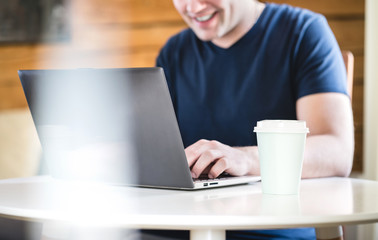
x,y
39,34
54,34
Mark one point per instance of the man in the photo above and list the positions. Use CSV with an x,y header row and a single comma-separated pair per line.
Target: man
x,y
242,61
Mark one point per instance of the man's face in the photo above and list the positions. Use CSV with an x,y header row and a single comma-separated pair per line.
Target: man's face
x,y
210,19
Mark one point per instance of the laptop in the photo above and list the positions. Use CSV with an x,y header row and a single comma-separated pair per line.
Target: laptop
x,y
115,126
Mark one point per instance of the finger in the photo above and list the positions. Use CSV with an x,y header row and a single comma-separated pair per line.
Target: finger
x,y
205,160
194,151
207,169
220,166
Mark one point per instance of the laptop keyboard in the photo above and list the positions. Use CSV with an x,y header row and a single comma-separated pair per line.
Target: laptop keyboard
x,y
205,178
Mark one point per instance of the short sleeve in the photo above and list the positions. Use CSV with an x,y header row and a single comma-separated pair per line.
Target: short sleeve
x,y
319,64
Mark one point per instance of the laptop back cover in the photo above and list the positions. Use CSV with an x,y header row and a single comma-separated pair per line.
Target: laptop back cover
x,y
111,125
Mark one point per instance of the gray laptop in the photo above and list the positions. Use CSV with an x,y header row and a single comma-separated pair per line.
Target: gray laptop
x,y
115,126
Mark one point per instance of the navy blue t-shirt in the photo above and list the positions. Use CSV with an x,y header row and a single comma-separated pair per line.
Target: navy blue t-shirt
x,y
220,94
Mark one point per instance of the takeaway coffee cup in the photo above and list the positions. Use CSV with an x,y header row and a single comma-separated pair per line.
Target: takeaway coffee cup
x,y
281,146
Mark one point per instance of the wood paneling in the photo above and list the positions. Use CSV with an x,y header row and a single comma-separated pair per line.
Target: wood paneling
x,y
15,94
330,8
130,33
349,34
124,11
116,33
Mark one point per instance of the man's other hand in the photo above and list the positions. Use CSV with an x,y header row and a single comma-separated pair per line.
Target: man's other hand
x,y
214,158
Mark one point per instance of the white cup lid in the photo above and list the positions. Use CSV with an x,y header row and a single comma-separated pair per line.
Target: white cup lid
x,y
281,126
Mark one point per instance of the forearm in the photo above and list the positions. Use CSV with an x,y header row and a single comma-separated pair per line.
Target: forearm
x,y
325,155
328,155
330,143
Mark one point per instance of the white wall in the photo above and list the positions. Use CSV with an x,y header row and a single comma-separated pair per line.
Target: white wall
x,y
371,91
370,231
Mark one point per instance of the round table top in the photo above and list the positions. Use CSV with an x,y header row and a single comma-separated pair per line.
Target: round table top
x,y
322,202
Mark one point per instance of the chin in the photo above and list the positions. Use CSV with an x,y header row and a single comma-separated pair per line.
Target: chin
x,y
205,36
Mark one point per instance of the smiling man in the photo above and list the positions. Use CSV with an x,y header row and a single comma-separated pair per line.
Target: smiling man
x,y
222,22
241,61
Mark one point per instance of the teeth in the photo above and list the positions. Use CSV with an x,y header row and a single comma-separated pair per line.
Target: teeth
x,y
204,18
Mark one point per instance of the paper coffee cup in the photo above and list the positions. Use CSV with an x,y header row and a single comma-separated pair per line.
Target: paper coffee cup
x,y
281,146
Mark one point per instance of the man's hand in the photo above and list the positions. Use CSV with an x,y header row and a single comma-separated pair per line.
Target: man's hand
x,y
214,158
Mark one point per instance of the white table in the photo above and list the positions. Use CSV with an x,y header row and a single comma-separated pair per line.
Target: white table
x,y
322,203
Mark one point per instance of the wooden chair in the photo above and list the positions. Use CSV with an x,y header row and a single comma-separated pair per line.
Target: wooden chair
x,y
340,231
349,66
337,233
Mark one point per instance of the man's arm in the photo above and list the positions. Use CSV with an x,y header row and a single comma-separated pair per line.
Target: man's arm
x,y
330,143
329,146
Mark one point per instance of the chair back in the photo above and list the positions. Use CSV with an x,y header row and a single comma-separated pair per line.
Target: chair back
x,y
349,66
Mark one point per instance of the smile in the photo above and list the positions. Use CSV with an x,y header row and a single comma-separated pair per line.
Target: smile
x,y
204,18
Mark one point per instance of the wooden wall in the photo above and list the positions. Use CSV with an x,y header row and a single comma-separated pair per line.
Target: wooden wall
x,y
129,33
114,33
